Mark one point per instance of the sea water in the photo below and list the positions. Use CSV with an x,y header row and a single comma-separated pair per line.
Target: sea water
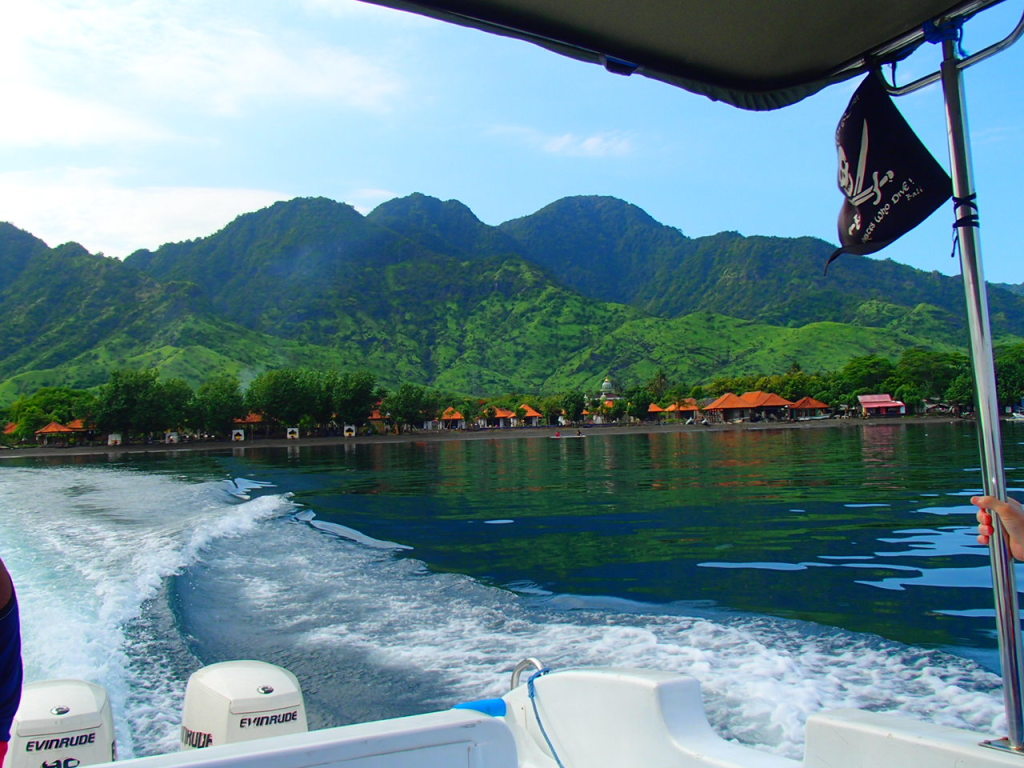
x,y
789,572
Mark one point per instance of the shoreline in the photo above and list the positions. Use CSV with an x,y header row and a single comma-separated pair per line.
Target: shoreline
x,y
431,436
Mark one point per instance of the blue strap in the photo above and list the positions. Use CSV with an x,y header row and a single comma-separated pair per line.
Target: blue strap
x,y
492,707
951,30
531,689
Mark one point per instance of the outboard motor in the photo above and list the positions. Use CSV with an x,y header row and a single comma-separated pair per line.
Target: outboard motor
x,y
62,724
239,701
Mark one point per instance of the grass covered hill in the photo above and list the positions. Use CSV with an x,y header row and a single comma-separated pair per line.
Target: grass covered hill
x,y
422,291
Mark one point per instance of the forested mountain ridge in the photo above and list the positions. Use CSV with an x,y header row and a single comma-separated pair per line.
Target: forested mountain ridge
x,y
616,252
420,290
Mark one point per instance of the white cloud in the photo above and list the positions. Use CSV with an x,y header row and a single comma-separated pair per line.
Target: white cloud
x,y
91,207
85,71
603,144
223,69
46,117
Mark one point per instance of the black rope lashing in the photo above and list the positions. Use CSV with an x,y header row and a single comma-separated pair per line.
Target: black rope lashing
x,y
967,219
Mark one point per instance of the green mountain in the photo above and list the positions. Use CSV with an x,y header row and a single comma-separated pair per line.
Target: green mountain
x,y
71,316
614,251
421,290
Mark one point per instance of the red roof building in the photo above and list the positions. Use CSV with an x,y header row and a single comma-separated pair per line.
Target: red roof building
x,y
686,405
531,416
496,416
760,399
728,401
880,405
728,407
452,419
808,404
54,428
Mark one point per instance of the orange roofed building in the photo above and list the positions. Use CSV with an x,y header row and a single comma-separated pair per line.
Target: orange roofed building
x,y
767,405
808,408
502,418
54,431
452,419
760,399
531,416
728,407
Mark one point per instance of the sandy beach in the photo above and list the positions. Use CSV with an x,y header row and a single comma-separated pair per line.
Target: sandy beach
x,y
425,436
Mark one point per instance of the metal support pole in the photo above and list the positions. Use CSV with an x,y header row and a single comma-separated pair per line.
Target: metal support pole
x,y
1005,591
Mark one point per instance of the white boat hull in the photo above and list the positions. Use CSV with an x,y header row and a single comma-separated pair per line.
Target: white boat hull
x,y
596,718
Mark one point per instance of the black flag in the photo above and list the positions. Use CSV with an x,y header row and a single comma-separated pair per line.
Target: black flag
x,y
890,180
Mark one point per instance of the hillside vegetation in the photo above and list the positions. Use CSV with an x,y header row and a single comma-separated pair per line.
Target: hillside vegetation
x,y
420,290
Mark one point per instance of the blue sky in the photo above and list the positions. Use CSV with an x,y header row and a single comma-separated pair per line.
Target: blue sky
x,y
130,124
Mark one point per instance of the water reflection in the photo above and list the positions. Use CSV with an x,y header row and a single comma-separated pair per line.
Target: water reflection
x,y
863,527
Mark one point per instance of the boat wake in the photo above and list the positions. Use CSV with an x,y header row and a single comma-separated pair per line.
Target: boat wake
x,y
135,580
91,551
384,636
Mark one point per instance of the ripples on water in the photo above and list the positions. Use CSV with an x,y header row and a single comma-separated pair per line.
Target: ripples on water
x,y
772,569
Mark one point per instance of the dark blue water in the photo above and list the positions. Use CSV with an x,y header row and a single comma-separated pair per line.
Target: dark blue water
x,y
789,571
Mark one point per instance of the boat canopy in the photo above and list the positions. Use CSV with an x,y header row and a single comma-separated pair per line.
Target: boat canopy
x,y
754,54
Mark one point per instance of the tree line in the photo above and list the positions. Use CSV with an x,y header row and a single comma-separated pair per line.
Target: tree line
x,y
140,402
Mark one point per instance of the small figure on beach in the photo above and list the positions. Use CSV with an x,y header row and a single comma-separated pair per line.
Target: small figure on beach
x,y
1011,515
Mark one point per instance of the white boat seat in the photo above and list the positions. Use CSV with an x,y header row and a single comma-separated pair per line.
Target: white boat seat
x,y
611,718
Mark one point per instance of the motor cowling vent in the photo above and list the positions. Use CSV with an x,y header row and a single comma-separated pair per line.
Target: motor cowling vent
x,y
62,724
239,701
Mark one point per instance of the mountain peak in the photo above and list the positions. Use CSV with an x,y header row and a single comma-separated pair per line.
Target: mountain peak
x,y
447,226
322,209
17,247
604,209
418,204
599,245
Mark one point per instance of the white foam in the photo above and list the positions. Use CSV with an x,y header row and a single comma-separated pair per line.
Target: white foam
x,y
761,677
88,547
347,533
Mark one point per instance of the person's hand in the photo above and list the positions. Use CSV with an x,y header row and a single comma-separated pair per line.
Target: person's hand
x,y
1011,515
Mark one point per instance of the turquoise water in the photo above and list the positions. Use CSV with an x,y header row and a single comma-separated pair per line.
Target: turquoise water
x,y
788,570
